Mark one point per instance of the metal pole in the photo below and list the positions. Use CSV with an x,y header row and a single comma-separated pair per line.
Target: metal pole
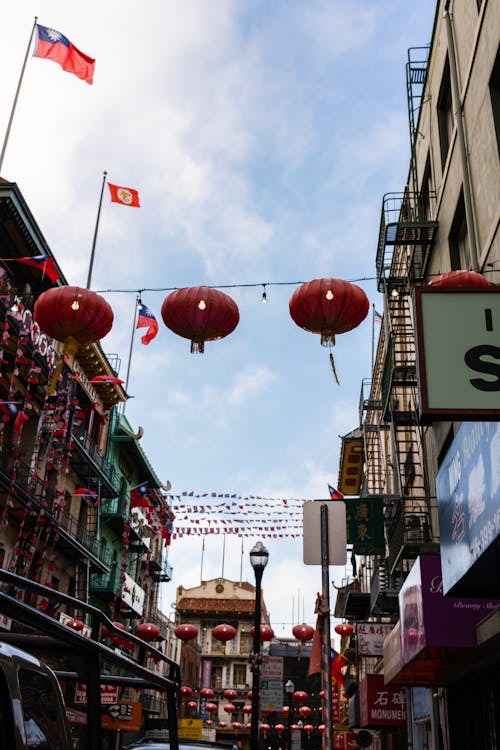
x,y
137,303
256,663
94,241
326,658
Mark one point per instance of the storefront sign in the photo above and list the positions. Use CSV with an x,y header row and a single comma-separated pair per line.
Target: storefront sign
x,y
381,705
365,524
371,636
468,494
190,729
109,694
133,595
123,716
458,352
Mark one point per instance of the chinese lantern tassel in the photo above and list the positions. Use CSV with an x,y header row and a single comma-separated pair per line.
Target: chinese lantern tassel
x,y
332,362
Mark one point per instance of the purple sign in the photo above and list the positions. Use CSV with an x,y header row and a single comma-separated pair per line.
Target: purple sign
x,y
430,619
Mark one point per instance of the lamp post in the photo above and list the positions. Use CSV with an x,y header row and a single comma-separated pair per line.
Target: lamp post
x,y
289,690
258,559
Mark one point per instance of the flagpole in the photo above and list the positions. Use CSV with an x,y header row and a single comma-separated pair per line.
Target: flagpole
x,y
9,125
373,334
137,301
94,241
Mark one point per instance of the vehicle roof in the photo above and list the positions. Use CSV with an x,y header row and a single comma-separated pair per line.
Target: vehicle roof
x,y
11,653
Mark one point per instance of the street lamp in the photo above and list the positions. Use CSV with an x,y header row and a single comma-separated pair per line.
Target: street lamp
x,y
258,559
289,690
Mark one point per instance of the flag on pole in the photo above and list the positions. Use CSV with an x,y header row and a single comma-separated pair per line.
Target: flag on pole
x,y
106,379
124,195
52,45
86,492
140,496
146,319
334,494
377,318
45,263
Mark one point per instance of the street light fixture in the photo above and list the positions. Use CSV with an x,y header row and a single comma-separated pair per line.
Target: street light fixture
x,y
289,690
258,559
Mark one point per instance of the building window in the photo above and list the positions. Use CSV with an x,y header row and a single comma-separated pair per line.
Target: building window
x,y
495,97
459,238
246,643
239,675
216,678
445,113
426,191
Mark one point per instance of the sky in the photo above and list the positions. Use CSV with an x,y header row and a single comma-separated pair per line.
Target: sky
x,y
261,136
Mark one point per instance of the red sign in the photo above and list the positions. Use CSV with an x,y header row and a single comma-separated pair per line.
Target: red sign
x,y
381,705
109,694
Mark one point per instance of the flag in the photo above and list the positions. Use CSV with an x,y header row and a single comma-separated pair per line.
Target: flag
x,y
146,319
106,379
9,409
45,263
85,492
140,496
124,195
377,318
52,45
337,662
334,494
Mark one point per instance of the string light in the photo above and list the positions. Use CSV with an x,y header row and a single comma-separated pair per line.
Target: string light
x,y
264,295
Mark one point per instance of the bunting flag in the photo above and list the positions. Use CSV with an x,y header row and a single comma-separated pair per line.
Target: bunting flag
x,y
52,45
45,263
146,319
124,195
106,379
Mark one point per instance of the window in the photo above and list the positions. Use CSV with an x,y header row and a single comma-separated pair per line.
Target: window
x,y
426,191
240,675
246,643
495,97
445,114
459,239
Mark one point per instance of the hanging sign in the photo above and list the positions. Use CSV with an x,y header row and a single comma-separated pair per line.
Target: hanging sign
x,y
365,524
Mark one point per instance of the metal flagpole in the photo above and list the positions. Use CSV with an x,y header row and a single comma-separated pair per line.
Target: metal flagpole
x,y
92,253
373,334
137,301
7,132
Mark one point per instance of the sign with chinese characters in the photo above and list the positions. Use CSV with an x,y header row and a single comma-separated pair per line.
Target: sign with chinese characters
x,y
133,595
109,694
468,494
458,352
381,705
370,637
123,716
190,729
365,524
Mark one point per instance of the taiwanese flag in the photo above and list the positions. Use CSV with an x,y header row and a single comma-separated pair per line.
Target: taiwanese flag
x,y
338,661
140,496
124,195
52,45
146,319
44,263
86,492
106,379
334,494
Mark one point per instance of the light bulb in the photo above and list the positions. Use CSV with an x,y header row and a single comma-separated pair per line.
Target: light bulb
x,y
75,305
329,294
202,304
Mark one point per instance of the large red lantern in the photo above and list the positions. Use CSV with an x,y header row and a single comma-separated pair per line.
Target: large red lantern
x,y
200,314
229,708
303,632
207,693
460,278
186,691
266,632
344,629
230,694
147,631
70,312
186,632
224,632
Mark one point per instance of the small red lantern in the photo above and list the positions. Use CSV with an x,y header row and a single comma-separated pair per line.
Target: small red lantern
x,y
300,696
460,278
303,633
321,728
192,705
186,691
266,633
247,709
210,707
236,725
200,314
147,631
186,632
223,724
75,624
344,629
230,694
224,632
229,708
265,729
285,710
119,641
207,693
69,312
308,728
279,728
305,711
209,722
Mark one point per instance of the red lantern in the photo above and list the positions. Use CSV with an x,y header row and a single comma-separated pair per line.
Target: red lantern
x,y
247,709
230,694
200,314
207,693
147,631
186,691
321,728
192,705
279,728
328,307
295,727
69,312
186,632
300,696
229,708
266,633
224,632
285,710
236,725
223,724
265,729
303,633
75,624
460,278
119,641
209,722
210,707
344,629
305,711
308,728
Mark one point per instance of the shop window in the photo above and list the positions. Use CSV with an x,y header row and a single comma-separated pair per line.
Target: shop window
x,y
495,97
445,114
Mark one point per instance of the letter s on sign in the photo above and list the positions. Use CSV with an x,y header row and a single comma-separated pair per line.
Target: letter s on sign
x,y
473,359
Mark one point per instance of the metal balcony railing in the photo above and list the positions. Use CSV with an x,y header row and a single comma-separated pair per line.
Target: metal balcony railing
x,y
88,448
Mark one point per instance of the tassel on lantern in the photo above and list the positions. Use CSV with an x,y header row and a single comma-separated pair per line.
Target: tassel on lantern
x,y
70,349
332,362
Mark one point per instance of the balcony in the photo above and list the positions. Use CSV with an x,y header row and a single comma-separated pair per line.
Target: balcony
x,y
88,455
383,591
409,533
161,570
106,584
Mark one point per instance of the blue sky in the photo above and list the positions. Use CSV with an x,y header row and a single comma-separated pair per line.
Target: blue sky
x,y
261,137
